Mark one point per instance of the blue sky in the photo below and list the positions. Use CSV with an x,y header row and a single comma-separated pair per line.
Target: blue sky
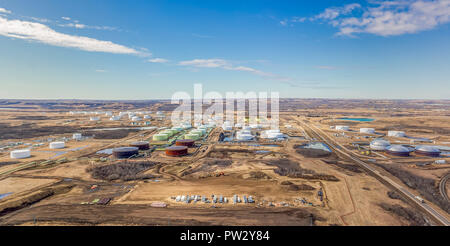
x,y
111,49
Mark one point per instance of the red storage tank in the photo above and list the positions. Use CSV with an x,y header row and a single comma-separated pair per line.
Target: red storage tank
x,y
185,142
125,152
177,151
142,145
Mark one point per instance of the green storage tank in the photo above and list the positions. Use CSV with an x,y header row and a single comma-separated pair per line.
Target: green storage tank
x,y
192,136
160,137
196,131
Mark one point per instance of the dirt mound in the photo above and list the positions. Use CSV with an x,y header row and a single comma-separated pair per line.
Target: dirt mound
x,y
256,175
218,162
312,153
124,171
302,187
291,169
286,183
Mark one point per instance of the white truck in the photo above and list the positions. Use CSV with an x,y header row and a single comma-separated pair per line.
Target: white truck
x,y
420,199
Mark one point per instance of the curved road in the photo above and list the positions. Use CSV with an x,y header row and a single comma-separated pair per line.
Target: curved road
x,y
339,148
442,188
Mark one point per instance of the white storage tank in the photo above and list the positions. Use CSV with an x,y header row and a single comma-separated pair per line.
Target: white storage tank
x,y
244,137
398,150
77,136
367,130
227,127
342,128
57,145
379,144
20,154
398,134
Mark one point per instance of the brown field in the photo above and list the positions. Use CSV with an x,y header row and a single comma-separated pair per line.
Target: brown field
x,y
55,187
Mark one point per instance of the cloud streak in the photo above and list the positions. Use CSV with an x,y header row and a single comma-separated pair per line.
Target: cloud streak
x,y
226,65
41,33
5,11
158,60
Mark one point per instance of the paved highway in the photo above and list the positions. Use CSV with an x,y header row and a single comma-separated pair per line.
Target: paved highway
x,y
342,150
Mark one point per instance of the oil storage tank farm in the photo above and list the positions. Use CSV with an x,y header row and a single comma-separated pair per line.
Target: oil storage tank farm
x,y
426,150
125,152
398,150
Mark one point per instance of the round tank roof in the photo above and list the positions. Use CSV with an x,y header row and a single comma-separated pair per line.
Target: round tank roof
x,y
398,148
427,148
125,149
381,142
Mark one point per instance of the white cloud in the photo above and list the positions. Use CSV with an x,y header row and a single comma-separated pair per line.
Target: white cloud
x,y
38,32
223,64
77,25
101,71
158,60
66,18
5,11
334,12
390,18
210,63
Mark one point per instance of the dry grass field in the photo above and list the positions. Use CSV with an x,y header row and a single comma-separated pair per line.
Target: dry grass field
x,y
66,186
